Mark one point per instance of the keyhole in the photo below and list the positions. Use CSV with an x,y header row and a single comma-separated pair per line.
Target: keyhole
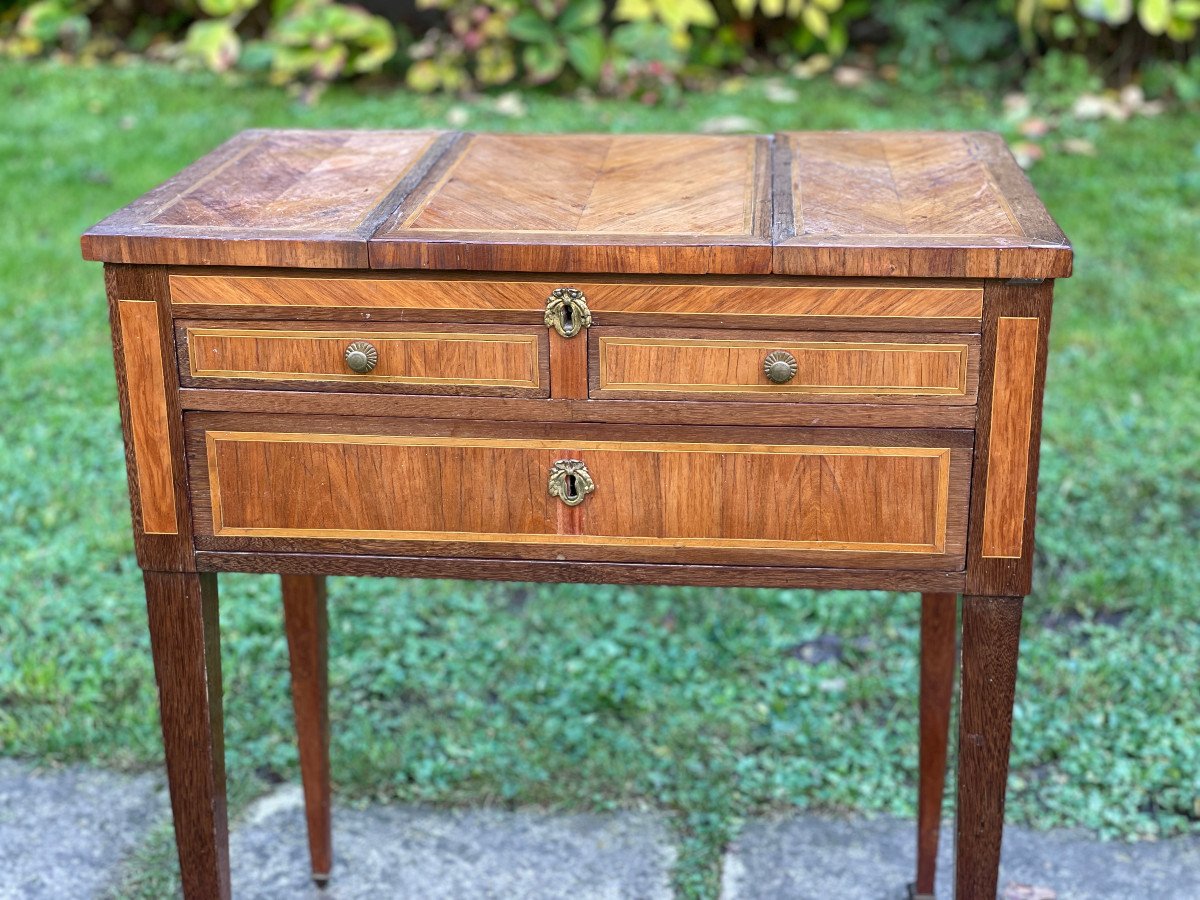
x,y
572,490
568,319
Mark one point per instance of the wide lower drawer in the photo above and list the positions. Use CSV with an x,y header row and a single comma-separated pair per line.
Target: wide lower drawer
x,y
499,361
786,496
640,363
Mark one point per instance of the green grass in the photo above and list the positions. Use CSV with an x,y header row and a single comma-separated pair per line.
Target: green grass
x,y
692,701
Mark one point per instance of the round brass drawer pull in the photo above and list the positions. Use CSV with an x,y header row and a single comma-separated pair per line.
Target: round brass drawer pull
x,y
779,366
362,357
570,481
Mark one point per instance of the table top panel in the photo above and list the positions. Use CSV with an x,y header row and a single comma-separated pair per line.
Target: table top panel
x,y
865,204
285,197
910,203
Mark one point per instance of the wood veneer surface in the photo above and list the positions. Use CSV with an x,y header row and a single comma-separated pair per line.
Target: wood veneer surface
x,y
815,204
910,203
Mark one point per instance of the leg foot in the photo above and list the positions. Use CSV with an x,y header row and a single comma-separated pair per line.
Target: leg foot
x,y
306,623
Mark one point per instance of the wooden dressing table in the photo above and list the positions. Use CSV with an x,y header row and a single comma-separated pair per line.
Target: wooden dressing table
x,y
808,360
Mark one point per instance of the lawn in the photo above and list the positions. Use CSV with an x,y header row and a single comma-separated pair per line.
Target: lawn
x,y
703,703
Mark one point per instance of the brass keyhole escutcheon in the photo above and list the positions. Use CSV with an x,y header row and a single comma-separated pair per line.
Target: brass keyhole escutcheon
x,y
779,366
570,481
361,357
567,311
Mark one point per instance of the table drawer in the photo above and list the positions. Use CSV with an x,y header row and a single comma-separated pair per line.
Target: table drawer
x,y
772,366
447,359
859,498
666,301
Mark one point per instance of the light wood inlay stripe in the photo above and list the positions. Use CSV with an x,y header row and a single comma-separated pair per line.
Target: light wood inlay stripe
x,y
824,367
852,300
457,358
146,384
384,487
1011,424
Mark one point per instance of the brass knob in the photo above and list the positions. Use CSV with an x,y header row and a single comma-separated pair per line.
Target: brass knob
x,y
361,357
567,311
779,366
570,481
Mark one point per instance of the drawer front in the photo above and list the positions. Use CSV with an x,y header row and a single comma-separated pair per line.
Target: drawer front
x,y
499,361
897,368
751,302
758,496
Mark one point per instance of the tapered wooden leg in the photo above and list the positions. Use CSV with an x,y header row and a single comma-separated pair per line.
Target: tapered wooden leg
x,y
184,638
306,623
991,629
937,688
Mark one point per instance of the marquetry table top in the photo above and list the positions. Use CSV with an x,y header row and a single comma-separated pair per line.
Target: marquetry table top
x,y
915,204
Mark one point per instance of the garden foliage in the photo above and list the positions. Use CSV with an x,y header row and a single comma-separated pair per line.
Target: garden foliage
x,y
643,48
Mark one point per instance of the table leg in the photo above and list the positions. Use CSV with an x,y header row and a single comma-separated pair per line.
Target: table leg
x,y
991,628
182,609
306,623
937,687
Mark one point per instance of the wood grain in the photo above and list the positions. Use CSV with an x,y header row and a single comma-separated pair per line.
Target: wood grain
x,y
590,203
306,622
1008,575
645,412
653,493
1011,427
639,364
185,640
497,362
283,197
582,572
910,204
938,632
568,366
148,415
892,305
991,631
155,551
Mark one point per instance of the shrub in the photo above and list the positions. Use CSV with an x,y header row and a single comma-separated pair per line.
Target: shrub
x,y
643,48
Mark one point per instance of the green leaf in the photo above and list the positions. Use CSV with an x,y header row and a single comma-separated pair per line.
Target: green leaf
x,y
222,8
586,52
213,42
543,62
815,20
530,28
581,14
1155,15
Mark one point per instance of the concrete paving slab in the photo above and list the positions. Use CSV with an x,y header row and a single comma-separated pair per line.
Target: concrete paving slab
x,y
399,851
64,832
816,857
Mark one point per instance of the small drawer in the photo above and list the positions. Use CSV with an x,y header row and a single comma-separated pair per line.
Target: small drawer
x,y
498,361
641,364
770,496
832,304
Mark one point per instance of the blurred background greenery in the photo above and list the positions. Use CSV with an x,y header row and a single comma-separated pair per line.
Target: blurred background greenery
x,y
650,49
710,705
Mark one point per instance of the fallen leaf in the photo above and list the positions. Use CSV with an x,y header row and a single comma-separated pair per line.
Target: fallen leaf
x,y
850,76
729,125
1016,106
1027,153
780,93
1013,891
511,105
1078,147
1034,128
